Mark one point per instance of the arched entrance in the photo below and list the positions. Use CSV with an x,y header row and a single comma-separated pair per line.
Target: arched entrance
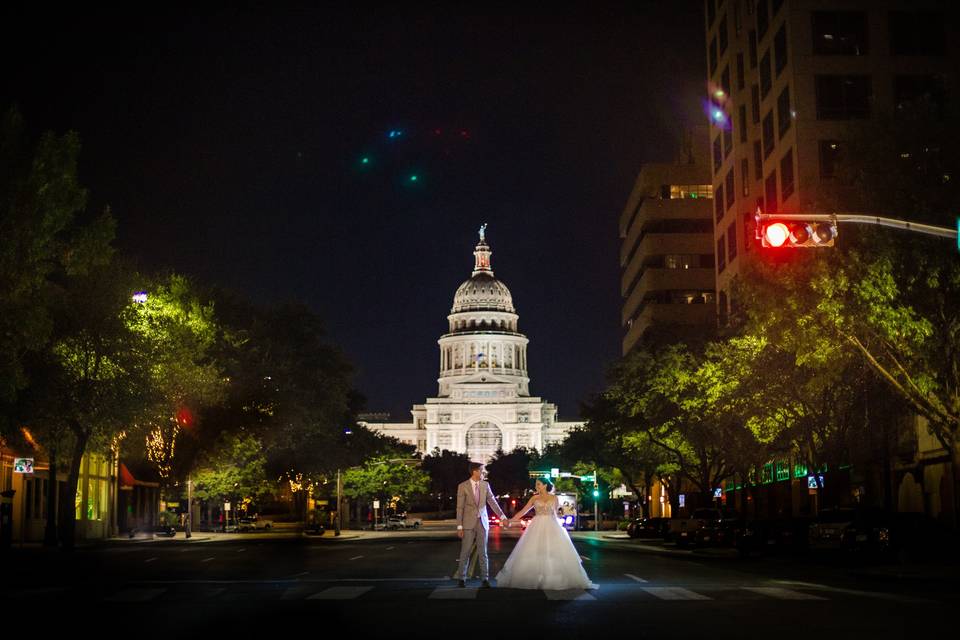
x,y
483,440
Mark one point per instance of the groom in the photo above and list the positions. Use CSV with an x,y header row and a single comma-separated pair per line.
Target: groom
x,y
472,523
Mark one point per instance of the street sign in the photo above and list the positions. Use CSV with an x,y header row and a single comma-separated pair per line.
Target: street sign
x,y
226,506
23,465
376,504
554,473
590,478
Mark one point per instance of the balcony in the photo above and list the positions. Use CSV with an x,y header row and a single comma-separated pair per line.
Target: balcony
x,y
688,316
656,209
657,279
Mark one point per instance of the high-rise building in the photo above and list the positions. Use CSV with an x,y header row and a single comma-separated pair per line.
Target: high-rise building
x,y
666,250
788,81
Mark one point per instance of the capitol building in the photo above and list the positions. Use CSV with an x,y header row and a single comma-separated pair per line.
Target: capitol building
x,y
483,402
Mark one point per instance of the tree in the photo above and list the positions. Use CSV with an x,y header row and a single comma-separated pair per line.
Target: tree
x,y
235,470
46,239
447,469
509,472
390,481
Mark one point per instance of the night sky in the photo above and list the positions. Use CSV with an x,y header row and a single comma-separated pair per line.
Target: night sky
x,y
230,146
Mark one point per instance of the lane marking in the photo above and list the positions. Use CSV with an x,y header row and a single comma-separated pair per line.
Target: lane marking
x,y
356,557
674,593
585,558
454,593
135,595
340,593
855,592
241,550
295,593
293,581
782,594
208,559
568,594
149,559
302,573
389,548
634,578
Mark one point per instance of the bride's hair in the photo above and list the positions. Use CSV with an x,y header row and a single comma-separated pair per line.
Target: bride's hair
x,y
547,484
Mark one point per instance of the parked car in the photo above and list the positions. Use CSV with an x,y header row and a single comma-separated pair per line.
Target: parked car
x,y
683,530
720,532
494,520
902,535
785,535
648,527
254,523
827,529
402,522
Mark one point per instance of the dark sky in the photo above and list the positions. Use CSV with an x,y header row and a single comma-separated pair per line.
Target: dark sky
x,y
229,143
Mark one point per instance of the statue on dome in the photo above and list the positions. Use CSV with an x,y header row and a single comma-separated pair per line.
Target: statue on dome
x,y
483,232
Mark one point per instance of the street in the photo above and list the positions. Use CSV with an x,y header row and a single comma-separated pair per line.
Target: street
x,y
401,586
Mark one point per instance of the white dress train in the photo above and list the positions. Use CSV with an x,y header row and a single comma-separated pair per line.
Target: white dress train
x,y
544,557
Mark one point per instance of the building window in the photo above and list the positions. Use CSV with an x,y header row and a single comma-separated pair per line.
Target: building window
x,y
737,18
768,136
786,175
742,122
721,255
757,161
766,76
780,49
681,261
775,6
717,154
770,193
713,56
731,189
732,242
724,37
784,114
741,78
683,191
747,228
917,33
755,103
725,81
907,89
829,152
745,176
727,141
843,97
719,203
711,12
753,49
763,19
840,33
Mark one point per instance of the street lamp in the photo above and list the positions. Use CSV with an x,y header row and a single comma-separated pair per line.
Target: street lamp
x,y
140,297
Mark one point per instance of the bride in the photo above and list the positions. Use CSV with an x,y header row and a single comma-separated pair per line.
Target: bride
x,y
544,557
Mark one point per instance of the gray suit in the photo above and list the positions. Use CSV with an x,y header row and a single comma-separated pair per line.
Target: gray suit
x,y
472,516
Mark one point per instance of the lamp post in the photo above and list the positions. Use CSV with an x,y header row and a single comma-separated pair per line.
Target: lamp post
x,y
189,506
596,503
336,522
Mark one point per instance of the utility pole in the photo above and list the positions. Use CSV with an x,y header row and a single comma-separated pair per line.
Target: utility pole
x,y
336,523
189,505
596,502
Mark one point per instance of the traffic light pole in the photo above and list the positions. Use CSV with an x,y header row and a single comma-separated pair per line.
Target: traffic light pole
x,y
862,218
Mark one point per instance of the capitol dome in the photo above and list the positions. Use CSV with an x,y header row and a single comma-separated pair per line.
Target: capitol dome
x,y
482,292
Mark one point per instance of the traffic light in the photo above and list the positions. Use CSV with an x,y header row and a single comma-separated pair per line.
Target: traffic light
x,y
596,493
777,233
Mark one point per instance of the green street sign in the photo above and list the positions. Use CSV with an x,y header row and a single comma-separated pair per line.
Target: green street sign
x,y
590,478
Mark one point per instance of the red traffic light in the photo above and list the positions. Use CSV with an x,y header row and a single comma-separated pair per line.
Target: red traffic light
x,y
796,233
774,235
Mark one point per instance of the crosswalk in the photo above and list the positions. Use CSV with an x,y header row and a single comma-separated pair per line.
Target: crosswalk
x,y
611,592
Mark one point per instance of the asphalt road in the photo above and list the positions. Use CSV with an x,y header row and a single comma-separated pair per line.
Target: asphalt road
x,y
400,586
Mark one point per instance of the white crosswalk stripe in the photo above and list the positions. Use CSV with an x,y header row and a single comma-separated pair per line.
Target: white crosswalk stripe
x,y
634,578
783,594
340,593
568,594
454,593
135,595
675,593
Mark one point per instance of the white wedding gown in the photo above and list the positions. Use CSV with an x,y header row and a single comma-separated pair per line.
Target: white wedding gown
x,y
544,557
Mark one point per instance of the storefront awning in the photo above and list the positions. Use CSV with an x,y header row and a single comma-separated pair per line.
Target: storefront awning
x,y
127,481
